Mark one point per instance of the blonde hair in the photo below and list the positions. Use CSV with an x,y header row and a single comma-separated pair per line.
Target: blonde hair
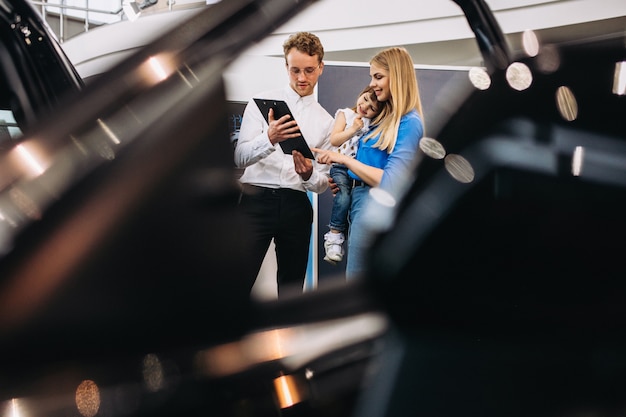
x,y
404,97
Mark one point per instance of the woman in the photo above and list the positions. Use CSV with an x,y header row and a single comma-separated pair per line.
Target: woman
x,y
350,125
385,154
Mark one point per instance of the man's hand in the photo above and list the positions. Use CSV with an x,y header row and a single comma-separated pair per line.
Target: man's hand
x,y
333,186
303,166
281,129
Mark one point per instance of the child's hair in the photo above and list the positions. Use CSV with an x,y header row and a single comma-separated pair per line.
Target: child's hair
x,y
404,98
373,97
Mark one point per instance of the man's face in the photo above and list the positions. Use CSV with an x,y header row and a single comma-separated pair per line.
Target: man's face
x,y
303,71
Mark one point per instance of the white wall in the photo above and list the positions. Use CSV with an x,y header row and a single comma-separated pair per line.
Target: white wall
x,y
251,74
352,29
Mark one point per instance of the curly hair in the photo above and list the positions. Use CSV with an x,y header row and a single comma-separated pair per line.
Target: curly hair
x,y
304,42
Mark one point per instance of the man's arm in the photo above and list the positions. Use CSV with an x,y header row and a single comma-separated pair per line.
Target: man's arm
x,y
253,143
258,137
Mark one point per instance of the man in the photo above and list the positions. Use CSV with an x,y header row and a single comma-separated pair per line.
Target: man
x,y
274,184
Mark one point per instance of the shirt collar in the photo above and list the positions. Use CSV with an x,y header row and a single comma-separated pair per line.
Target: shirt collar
x,y
292,96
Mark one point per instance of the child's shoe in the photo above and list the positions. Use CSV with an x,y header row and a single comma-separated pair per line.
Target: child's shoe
x,y
333,247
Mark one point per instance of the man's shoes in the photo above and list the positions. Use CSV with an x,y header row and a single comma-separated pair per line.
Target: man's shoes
x,y
333,247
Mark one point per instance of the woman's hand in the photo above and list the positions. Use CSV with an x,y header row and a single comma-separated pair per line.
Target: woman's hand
x,y
325,156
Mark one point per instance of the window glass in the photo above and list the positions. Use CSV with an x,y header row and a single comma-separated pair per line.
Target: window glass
x,y
9,129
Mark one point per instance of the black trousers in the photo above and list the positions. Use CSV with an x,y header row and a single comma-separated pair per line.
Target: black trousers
x,y
286,216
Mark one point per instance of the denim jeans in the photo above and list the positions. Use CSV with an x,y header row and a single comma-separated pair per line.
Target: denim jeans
x,y
359,235
341,200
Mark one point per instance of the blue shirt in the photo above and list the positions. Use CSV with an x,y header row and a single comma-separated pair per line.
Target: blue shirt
x,y
396,164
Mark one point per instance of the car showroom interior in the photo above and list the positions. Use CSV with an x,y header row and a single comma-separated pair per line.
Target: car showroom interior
x,y
492,275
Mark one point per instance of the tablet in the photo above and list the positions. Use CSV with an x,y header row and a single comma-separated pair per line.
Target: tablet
x,y
280,109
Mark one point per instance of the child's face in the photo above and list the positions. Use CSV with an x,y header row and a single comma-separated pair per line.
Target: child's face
x,y
366,107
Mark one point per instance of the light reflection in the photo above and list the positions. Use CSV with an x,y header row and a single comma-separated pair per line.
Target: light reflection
x,y
530,43
10,222
289,391
14,408
15,411
185,79
105,151
29,160
109,132
379,210
577,160
548,60
479,78
294,346
460,168
78,144
519,76
432,147
382,197
257,348
619,78
566,103
25,203
152,371
88,398
158,68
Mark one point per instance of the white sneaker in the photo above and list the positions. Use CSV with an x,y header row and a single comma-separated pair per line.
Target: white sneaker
x,y
333,247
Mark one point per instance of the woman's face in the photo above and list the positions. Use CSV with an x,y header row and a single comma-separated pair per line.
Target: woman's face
x,y
380,82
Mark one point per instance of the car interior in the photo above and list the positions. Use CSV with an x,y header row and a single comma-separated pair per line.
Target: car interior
x,y
494,285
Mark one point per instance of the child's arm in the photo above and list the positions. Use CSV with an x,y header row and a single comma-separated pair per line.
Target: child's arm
x,y
340,134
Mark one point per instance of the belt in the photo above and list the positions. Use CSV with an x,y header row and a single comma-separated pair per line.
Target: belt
x,y
357,183
258,190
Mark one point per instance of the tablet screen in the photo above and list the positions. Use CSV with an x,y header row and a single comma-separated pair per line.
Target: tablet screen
x,y
280,109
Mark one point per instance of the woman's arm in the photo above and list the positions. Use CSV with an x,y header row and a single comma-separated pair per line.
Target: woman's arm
x,y
370,175
401,160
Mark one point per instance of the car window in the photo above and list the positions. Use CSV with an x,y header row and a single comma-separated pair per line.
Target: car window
x,y
8,127
35,74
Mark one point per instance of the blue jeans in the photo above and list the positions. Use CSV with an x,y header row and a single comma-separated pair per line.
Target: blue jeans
x,y
359,236
341,200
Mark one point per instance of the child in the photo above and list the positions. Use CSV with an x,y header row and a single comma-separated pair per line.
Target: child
x,y
350,125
